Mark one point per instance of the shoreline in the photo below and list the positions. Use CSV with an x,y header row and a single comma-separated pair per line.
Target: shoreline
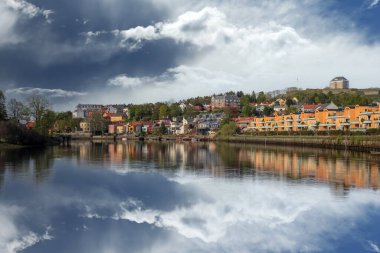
x,y
4,146
362,143
353,143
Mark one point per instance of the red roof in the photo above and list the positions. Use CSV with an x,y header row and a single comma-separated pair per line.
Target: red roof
x,y
136,123
266,103
246,119
309,106
31,124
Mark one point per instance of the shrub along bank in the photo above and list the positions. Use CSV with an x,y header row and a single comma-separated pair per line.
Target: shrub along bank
x,y
13,133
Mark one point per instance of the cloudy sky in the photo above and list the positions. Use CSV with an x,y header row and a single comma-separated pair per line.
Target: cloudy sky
x,y
135,51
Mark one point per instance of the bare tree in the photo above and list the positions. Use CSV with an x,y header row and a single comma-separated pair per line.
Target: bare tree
x,y
16,109
38,105
3,111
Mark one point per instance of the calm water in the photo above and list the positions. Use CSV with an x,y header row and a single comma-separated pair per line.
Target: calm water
x,y
157,197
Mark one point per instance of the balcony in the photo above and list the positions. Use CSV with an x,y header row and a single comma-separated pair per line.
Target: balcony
x,y
366,113
335,117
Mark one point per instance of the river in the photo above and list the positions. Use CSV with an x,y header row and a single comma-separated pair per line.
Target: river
x,y
188,197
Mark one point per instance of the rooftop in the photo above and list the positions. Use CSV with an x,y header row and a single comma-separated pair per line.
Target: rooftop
x,y
339,78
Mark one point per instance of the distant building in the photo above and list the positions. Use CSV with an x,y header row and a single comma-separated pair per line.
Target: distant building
x,y
339,82
82,110
85,110
225,101
290,89
275,93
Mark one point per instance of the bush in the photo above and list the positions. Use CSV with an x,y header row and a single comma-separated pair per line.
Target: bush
x,y
229,129
14,133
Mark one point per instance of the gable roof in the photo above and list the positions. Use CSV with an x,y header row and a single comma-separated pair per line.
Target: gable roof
x,y
339,78
330,106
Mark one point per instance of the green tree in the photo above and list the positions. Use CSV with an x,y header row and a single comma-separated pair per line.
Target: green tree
x,y
244,100
239,94
190,111
253,97
268,110
156,111
97,123
289,102
164,111
175,110
261,97
247,111
229,129
161,130
292,109
3,110
46,122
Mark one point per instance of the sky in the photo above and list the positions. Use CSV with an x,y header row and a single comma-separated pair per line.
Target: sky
x,y
137,51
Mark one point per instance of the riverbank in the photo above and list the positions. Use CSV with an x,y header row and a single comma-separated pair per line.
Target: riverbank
x,y
356,143
364,143
10,146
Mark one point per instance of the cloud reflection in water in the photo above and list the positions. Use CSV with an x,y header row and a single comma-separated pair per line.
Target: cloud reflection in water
x,y
87,208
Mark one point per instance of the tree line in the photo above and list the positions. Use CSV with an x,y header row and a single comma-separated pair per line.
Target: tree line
x,y
37,107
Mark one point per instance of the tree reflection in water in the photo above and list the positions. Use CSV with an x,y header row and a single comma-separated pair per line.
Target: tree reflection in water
x,y
341,169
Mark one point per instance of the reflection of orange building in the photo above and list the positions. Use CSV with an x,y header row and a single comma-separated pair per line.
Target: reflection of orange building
x,y
231,160
351,118
350,173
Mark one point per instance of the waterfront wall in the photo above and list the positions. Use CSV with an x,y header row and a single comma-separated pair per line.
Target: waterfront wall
x,y
358,143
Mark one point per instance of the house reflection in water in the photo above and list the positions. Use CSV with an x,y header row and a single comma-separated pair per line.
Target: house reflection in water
x,y
338,168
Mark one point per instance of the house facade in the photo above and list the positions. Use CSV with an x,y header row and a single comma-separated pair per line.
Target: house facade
x,y
354,118
225,101
339,82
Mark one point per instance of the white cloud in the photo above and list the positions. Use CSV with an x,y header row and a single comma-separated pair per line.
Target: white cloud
x,y
176,83
12,239
210,28
261,209
246,45
373,4
374,247
129,82
13,11
54,93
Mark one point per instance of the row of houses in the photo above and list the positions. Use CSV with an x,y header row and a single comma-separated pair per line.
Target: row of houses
x,y
86,110
323,118
206,123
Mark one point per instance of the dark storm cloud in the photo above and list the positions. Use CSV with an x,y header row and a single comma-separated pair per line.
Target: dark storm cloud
x,y
81,69
56,55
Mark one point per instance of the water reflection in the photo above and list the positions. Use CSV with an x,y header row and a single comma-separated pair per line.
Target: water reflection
x,y
340,169
187,197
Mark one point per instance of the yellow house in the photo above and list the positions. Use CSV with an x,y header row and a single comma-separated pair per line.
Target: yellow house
x,y
116,118
85,126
